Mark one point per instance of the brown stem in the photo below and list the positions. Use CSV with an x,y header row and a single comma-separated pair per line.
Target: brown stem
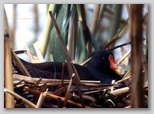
x,y
120,45
136,32
71,67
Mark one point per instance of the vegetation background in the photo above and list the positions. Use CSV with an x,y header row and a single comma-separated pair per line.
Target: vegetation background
x,y
85,28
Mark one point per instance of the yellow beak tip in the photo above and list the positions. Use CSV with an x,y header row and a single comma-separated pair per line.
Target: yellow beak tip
x,y
117,71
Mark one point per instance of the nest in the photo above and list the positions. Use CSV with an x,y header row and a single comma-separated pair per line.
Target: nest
x,y
32,92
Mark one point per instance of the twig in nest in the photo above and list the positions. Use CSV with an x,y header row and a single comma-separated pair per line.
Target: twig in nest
x,y
119,92
53,82
41,99
20,97
68,91
55,97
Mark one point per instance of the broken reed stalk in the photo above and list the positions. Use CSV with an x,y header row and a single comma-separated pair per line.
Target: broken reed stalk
x,y
71,67
119,92
136,32
8,78
33,58
38,52
41,99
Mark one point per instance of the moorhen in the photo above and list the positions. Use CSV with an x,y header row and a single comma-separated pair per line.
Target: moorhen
x,y
100,67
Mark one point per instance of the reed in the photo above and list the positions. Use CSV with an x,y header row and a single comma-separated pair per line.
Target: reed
x,y
8,79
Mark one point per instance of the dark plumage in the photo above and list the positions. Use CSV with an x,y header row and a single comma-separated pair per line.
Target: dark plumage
x,y
98,68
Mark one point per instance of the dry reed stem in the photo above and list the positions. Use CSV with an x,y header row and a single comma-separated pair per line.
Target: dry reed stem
x,y
56,82
30,104
60,91
85,62
116,37
59,81
41,99
71,67
127,43
118,62
95,18
136,32
32,57
19,64
93,25
73,35
55,97
13,30
8,78
62,77
38,52
68,92
120,92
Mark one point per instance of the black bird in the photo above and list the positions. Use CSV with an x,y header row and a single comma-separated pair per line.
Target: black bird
x,y
100,67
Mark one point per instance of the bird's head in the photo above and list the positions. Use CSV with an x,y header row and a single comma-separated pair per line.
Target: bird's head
x,y
104,61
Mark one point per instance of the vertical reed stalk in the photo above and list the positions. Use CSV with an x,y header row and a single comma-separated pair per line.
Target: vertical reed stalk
x,y
93,25
73,35
8,78
36,20
9,100
13,31
136,31
82,17
46,32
